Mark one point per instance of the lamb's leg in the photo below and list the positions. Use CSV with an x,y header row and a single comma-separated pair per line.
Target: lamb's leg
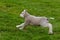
x,y
50,28
22,26
18,26
49,25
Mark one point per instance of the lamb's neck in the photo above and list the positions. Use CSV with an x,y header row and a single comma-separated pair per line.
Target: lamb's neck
x,y
27,15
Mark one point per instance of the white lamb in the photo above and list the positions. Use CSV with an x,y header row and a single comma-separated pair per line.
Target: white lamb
x,y
33,20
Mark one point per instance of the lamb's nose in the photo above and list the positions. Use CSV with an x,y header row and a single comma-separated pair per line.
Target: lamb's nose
x,y
21,15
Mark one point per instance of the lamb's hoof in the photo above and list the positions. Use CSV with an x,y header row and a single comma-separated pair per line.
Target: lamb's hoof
x,y
50,33
20,28
17,26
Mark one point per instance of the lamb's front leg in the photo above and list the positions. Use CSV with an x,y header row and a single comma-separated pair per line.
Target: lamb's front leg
x,y
21,26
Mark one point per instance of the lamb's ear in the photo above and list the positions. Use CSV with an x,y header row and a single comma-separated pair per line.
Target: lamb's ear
x,y
24,10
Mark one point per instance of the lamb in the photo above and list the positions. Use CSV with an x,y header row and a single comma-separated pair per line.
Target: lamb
x,y
33,20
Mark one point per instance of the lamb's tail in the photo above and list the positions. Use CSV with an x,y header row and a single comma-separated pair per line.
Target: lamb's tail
x,y
52,18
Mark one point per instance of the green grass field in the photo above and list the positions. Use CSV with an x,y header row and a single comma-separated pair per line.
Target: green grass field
x,y
9,18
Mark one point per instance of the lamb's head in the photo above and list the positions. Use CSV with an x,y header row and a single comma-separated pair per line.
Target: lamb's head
x,y
24,13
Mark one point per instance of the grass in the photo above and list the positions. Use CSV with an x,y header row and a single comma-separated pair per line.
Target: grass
x,y
9,18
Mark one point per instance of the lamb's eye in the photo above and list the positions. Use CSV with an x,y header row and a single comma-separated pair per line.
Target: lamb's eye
x,y
22,13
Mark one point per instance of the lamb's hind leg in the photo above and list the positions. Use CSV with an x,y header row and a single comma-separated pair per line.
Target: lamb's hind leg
x,y
49,25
